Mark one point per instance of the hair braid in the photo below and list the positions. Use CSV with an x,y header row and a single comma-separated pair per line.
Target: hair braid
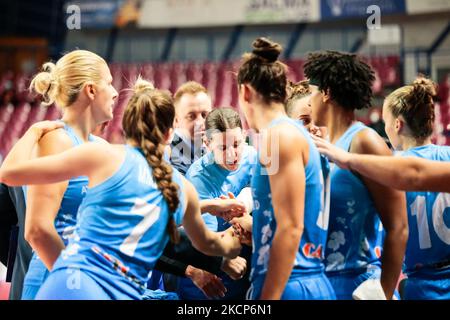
x,y
147,118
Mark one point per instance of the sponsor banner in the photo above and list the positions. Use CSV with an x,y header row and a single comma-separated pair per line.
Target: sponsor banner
x,y
94,14
415,7
201,13
339,9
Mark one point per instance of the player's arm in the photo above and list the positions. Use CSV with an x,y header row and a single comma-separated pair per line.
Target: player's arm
x,y
204,240
43,203
208,204
19,169
404,173
287,185
391,206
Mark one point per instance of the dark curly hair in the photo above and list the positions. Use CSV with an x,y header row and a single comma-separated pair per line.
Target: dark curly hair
x,y
348,78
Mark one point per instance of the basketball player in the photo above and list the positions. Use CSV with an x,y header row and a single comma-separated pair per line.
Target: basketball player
x,y
289,231
79,84
408,113
355,251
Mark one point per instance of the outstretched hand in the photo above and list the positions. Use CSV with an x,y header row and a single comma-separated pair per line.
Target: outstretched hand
x,y
227,207
210,284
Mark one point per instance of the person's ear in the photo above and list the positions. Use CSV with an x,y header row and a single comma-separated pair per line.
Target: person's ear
x,y
208,144
168,137
176,123
326,96
90,90
399,125
246,93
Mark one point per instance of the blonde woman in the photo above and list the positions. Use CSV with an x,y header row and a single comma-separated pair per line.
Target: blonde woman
x,y
80,85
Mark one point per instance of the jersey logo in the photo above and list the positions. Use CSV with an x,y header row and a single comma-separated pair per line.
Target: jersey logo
x,y
308,251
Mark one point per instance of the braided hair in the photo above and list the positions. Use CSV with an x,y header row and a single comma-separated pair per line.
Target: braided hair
x,y
147,119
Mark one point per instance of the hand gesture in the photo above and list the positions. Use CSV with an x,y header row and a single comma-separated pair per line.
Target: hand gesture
x,y
235,268
210,284
227,207
243,228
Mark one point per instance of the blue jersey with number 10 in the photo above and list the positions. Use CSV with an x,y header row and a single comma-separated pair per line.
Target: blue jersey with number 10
x,y
429,218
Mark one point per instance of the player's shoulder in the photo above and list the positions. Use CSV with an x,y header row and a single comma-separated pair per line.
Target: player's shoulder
x,y
55,141
368,141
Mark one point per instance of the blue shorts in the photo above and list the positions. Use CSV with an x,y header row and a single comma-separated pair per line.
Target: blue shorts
x,y
71,284
426,287
345,283
36,275
299,287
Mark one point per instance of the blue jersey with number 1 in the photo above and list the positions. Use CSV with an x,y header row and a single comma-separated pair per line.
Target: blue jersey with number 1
x,y
309,257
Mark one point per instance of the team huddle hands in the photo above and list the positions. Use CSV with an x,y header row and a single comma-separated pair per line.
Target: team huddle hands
x,y
227,207
234,212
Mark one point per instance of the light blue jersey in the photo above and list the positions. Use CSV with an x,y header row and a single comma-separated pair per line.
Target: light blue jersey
x,y
120,234
427,258
355,234
65,222
211,181
309,258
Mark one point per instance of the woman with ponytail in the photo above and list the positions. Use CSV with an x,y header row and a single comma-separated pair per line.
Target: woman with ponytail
x,y
80,85
133,203
408,113
289,225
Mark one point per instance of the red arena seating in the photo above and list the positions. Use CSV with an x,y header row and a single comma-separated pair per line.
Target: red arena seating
x,y
219,78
